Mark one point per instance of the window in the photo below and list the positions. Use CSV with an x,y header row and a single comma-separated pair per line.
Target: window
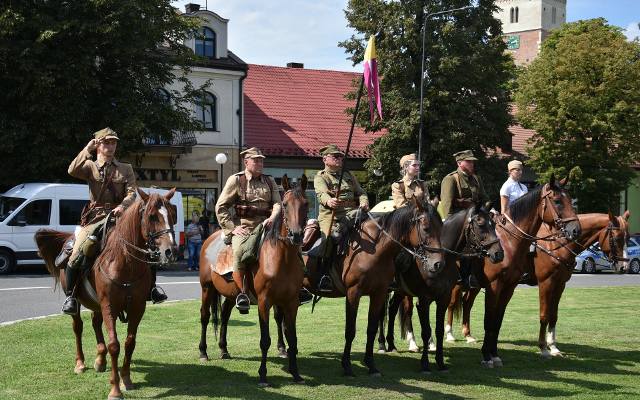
x,y
517,14
9,205
70,211
38,212
206,43
511,17
553,15
206,111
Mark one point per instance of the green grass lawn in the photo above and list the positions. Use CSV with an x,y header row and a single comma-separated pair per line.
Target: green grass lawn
x,y
598,331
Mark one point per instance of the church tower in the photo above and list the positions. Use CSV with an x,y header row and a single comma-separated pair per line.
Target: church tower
x,y
527,23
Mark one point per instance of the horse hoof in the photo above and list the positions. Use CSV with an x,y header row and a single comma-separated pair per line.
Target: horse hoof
x,y
298,379
432,348
497,361
545,354
392,350
126,386
99,367
115,398
555,351
282,354
487,364
225,356
470,339
450,338
264,384
79,369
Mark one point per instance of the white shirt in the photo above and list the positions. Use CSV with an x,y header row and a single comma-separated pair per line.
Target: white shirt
x,y
513,190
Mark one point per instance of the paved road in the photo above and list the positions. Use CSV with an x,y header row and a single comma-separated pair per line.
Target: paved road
x,y
29,293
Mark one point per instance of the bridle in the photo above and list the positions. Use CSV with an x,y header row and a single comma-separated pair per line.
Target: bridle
x,y
473,240
152,251
290,235
613,249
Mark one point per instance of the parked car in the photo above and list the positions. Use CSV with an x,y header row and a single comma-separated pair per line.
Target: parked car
x,y
31,206
592,260
633,254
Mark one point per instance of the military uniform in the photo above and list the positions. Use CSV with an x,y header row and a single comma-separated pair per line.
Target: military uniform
x,y
351,195
406,189
460,190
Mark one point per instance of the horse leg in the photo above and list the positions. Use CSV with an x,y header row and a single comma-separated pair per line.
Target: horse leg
x,y
505,296
77,330
467,305
376,305
206,303
114,352
278,316
130,346
227,308
553,319
425,331
394,306
545,294
407,304
352,300
441,309
100,364
382,346
265,338
490,317
290,313
455,294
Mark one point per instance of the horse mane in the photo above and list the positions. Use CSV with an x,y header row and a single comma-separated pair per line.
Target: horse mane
x,y
398,223
128,227
520,208
273,233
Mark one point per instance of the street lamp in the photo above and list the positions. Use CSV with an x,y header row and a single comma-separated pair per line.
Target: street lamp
x,y
221,158
424,30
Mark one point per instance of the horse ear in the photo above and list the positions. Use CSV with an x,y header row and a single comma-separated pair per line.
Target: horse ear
x,y
170,194
285,182
626,215
612,217
487,205
417,203
303,182
143,195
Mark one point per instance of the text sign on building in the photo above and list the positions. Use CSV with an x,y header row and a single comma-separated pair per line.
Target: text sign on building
x,y
513,42
176,175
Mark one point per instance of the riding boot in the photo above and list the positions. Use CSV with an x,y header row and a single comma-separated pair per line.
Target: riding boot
x,y
468,278
242,300
70,305
304,296
157,294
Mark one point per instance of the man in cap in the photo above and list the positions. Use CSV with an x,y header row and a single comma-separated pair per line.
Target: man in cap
x,y
111,190
343,207
255,199
459,190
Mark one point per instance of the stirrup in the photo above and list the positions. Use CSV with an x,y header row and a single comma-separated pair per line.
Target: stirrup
x,y
304,296
473,283
70,306
242,303
158,295
326,284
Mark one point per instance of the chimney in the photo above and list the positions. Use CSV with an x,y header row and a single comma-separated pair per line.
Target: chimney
x,y
191,8
295,65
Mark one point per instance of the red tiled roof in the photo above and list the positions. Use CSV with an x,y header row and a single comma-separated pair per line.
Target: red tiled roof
x,y
520,134
296,111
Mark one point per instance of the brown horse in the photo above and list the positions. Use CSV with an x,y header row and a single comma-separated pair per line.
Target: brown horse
x,y
468,233
277,279
553,265
368,268
120,280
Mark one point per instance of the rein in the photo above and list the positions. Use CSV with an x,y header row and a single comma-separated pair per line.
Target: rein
x,y
475,243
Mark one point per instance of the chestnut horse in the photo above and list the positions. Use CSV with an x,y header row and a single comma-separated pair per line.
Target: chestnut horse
x,y
368,268
276,280
467,233
120,280
553,265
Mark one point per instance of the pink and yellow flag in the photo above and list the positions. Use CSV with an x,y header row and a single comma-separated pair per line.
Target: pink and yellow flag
x,y
371,78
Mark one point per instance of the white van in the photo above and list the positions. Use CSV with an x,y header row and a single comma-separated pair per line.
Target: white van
x,y
31,206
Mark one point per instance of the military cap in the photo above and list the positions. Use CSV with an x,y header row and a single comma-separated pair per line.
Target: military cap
x,y
407,157
253,152
514,164
465,155
106,133
330,149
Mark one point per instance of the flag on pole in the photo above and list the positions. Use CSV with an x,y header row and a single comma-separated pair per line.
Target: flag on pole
x,y
371,78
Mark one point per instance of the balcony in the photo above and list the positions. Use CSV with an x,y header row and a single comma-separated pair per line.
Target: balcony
x,y
181,142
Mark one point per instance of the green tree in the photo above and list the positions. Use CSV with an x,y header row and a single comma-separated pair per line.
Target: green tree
x,y
582,96
466,94
70,68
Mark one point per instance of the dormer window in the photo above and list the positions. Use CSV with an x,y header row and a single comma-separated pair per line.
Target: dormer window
x,y
206,43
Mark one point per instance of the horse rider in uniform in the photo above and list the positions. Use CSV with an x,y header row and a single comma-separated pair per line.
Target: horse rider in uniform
x,y
351,200
255,201
460,190
410,186
111,190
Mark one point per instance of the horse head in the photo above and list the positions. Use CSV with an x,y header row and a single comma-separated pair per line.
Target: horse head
x,y
425,238
557,210
158,217
613,239
481,233
295,208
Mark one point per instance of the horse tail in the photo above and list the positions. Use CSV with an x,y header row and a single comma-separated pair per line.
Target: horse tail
x,y
50,244
403,319
215,312
457,305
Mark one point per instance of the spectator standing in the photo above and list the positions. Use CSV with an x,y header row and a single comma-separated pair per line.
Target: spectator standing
x,y
194,236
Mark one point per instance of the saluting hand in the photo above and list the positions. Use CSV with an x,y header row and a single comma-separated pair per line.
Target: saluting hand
x,y
92,145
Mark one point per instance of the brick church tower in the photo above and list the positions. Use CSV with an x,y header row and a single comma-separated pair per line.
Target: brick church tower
x,y
527,23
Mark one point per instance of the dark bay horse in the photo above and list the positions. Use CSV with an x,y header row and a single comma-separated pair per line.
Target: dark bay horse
x,y
549,204
552,267
276,280
120,280
467,233
368,267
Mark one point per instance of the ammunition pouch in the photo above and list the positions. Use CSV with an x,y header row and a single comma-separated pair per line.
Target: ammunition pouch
x,y
251,211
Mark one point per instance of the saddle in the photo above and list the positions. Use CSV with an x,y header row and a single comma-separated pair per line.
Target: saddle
x,y
219,256
101,233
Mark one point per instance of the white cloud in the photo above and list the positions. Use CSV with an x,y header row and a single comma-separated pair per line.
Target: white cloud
x,y
632,31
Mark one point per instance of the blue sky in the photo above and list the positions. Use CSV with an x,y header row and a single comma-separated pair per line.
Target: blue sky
x,y
274,32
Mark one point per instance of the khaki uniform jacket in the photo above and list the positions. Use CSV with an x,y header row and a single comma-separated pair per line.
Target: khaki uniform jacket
x,y
402,195
326,185
458,186
258,195
122,191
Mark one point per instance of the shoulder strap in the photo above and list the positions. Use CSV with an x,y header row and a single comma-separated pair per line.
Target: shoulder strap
x,y
457,178
107,182
242,180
